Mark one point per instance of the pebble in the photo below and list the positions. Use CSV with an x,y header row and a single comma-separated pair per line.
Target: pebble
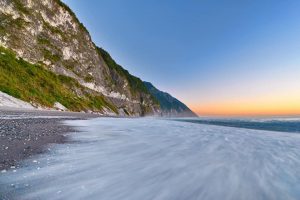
x,y
23,134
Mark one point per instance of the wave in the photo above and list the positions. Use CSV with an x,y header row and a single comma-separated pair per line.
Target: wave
x,y
160,159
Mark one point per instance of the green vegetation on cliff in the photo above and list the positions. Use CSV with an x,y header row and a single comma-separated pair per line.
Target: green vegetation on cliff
x,y
135,83
34,83
33,33
168,104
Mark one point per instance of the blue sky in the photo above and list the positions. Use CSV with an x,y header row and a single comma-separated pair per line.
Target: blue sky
x,y
208,52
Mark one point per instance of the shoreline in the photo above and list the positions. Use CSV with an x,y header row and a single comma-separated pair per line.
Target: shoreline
x,y
25,133
160,157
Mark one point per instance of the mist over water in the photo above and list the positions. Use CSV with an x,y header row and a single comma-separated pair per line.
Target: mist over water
x,y
161,159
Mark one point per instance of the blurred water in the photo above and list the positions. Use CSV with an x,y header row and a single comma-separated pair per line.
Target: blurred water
x,y
287,124
160,159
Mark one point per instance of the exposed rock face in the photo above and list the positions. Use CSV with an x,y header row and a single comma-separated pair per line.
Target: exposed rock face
x,y
170,106
47,32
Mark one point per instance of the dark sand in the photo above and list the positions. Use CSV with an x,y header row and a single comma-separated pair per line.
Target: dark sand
x,y
24,133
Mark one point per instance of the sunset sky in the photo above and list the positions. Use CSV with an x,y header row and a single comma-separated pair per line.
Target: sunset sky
x,y
220,57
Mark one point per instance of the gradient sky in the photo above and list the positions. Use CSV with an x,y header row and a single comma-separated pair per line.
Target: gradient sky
x,y
232,57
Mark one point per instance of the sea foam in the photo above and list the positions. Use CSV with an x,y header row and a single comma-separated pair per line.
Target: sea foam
x,y
151,158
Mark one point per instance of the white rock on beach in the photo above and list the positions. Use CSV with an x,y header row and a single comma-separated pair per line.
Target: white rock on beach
x,y
59,106
9,101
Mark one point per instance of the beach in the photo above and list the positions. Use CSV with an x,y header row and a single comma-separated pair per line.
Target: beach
x,y
25,133
156,158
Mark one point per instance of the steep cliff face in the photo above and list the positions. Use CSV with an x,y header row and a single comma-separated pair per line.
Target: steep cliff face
x,y
170,106
48,34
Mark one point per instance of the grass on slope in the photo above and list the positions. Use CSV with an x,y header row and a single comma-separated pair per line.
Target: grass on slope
x,y
34,83
135,83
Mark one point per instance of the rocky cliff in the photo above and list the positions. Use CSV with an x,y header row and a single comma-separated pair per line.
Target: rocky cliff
x,y
170,106
48,33
44,43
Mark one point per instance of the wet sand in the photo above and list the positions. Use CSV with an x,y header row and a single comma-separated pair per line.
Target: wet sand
x,y
24,133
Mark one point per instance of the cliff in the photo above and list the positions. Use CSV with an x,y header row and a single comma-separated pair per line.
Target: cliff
x,y
48,34
48,58
169,105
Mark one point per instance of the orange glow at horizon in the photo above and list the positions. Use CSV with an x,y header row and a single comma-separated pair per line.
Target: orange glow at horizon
x,y
249,108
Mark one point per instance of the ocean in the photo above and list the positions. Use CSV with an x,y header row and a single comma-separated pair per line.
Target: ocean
x,y
281,124
149,158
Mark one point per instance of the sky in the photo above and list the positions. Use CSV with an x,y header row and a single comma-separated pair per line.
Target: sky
x,y
220,57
